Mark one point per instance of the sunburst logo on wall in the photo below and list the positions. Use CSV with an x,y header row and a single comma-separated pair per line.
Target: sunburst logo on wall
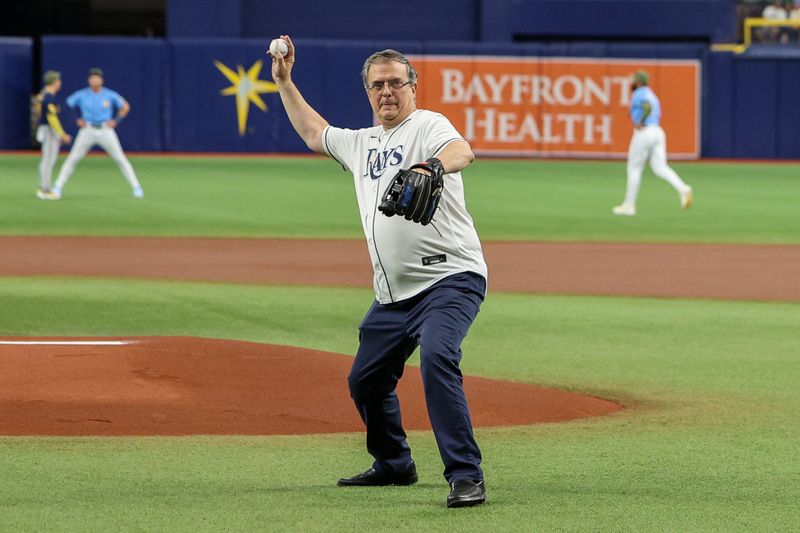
x,y
246,87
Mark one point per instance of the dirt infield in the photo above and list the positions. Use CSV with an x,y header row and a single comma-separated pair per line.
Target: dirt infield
x,y
190,386
738,272
182,386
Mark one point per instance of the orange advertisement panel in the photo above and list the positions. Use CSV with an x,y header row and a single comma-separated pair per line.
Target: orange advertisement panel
x,y
558,106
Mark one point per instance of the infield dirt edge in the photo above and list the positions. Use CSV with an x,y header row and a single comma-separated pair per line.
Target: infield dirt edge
x,y
168,386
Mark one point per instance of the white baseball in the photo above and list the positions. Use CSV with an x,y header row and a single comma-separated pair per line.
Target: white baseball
x,y
278,48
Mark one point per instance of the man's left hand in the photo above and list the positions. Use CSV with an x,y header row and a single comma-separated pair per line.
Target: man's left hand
x,y
415,193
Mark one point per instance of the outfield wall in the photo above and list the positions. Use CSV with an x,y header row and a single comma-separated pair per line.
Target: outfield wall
x,y
136,68
752,106
465,20
701,20
16,67
183,93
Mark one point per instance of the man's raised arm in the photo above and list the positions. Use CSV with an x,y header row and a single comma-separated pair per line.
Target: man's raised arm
x,y
305,120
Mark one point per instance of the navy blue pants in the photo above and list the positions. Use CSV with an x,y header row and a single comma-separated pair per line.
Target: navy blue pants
x,y
437,321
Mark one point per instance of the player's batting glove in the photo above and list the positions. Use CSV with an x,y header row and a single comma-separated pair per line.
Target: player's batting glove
x,y
413,194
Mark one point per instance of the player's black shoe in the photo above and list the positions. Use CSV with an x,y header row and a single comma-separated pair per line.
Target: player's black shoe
x,y
466,493
374,478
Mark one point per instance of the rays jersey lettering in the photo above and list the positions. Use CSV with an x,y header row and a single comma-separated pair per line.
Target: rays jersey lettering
x,y
379,161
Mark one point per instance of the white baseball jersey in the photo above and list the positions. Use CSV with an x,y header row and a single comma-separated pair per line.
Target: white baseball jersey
x,y
407,257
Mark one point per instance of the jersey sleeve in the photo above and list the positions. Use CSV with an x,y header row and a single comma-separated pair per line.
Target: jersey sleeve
x,y
117,99
74,99
439,132
340,144
52,118
636,108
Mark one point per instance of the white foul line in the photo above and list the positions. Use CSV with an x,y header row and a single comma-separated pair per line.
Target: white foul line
x,y
66,343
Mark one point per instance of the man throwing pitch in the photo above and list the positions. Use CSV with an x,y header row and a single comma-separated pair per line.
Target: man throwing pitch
x,y
649,143
429,271
101,110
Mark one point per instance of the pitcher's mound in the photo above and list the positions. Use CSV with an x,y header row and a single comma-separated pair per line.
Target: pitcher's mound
x,y
197,386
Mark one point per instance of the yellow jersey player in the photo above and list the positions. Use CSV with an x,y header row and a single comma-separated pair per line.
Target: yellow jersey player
x,y
50,132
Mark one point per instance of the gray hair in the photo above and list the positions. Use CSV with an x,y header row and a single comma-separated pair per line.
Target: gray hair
x,y
386,56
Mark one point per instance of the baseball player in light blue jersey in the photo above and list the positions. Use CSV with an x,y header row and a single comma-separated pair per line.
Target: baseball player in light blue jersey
x,y
649,143
101,109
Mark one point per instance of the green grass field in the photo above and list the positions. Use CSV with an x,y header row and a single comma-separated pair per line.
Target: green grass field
x,y
708,441
313,197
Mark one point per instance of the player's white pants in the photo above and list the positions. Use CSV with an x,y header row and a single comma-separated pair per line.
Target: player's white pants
x,y
51,144
649,144
104,137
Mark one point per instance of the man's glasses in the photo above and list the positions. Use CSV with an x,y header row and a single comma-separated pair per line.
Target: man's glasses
x,y
395,85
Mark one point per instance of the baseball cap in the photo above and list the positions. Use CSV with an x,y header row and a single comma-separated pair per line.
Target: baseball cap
x,y
641,76
96,72
51,76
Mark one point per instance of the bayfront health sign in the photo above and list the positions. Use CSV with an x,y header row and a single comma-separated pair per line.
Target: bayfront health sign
x,y
560,107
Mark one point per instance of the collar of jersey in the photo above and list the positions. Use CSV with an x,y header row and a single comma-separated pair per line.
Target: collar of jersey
x,y
392,130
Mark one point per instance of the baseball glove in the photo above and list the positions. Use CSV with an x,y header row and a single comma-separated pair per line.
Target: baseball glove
x,y
413,194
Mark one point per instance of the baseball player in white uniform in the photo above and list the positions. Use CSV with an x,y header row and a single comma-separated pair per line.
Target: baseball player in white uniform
x,y
50,133
97,106
648,143
429,279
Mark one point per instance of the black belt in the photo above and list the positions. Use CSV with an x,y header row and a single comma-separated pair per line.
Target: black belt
x,y
98,126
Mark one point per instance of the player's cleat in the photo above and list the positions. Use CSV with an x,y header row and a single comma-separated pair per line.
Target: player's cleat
x,y
138,192
43,194
626,210
686,198
55,194
466,493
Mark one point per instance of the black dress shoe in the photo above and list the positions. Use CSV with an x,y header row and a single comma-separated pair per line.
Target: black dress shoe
x,y
466,493
373,478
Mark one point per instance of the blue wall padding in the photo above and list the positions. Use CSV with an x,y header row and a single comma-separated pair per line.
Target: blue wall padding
x,y
16,69
788,108
709,20
493,21
202,119
766,114
748,103
205,18
467,20
377,19
755,108
135,68
718,98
